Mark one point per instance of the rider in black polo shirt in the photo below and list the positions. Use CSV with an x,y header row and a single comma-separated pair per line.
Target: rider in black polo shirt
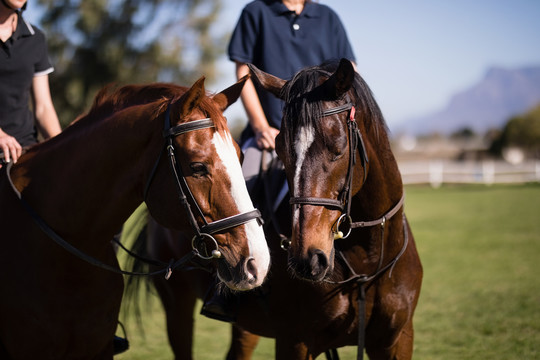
x,y
24,69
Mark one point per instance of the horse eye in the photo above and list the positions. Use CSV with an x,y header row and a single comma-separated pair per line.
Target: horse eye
x,y
336,157
199,169
337,149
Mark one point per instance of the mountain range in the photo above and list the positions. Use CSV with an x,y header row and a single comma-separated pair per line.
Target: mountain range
x,y
501,94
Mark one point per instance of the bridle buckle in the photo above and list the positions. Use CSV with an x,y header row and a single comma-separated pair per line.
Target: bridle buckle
x,y
343,219
199,246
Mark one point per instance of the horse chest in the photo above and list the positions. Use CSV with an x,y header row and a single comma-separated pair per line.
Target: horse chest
x,y
342,312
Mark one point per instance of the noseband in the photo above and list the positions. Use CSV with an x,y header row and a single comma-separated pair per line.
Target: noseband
x,y
356,142
185,195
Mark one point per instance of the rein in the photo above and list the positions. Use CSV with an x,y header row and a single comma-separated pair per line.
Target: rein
x,y
172,265
362,280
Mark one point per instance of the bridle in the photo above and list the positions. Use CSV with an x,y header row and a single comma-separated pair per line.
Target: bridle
x,y
206,231
344,201
356,142
186,196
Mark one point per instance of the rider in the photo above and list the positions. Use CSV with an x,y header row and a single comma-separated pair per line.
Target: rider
x,y
24,69
279,37
24,72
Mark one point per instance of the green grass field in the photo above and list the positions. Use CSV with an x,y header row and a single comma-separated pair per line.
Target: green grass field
x,y
480,247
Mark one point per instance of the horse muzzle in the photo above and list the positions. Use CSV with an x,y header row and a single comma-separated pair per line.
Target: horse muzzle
x,y
245,275
314,266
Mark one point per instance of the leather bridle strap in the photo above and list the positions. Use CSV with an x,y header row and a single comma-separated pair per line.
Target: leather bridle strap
x,y
232,221
186,127
337,109
381,220
332,203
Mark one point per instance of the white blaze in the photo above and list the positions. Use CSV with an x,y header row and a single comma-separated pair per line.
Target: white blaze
x,y
303,141
258,249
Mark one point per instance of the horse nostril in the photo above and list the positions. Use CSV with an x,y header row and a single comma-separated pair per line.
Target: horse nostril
x,y
319,263
251,270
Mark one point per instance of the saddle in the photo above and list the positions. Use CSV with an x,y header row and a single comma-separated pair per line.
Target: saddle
x,y
266,181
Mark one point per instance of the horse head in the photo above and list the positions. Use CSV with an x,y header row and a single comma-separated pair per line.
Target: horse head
x,y
321,146
202,163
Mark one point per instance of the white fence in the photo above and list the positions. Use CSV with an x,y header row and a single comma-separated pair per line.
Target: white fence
x,y
437,172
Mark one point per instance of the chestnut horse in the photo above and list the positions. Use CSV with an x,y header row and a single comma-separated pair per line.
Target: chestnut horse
x,y
163,144
356,271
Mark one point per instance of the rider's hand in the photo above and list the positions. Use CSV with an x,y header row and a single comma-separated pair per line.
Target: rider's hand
x,y
266,138
10,147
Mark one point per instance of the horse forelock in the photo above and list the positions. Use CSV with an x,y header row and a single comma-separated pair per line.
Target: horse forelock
x,y
304,100
212,111
302,110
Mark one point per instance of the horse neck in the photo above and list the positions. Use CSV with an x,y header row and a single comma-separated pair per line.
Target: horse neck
x,y
89,178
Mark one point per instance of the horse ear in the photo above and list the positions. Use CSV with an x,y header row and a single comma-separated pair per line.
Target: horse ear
x,y
341,81
228,96
269,82
191,98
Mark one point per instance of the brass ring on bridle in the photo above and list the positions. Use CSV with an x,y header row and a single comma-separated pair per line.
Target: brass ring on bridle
x,y
342,220
215,254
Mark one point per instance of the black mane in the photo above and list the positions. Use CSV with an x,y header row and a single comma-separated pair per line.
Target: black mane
x,y
304,98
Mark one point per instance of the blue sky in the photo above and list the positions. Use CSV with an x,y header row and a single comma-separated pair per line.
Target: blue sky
x,y
415,54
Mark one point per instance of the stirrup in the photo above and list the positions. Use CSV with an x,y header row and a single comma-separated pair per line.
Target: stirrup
x,y
219,308
218,305
120,344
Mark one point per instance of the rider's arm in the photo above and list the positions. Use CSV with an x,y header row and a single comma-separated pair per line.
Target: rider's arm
x,y
44,111
264,134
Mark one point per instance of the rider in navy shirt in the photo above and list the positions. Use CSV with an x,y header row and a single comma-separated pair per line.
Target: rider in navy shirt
x,y
24,69
280,38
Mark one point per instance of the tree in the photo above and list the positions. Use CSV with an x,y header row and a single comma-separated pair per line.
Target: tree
x,y
521,131
465,133
96,42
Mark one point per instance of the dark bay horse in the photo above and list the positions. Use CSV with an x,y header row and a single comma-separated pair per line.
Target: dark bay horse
x,y
350,236
351,274
163,144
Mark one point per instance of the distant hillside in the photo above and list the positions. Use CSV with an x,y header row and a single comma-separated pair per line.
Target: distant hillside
x,y
501,94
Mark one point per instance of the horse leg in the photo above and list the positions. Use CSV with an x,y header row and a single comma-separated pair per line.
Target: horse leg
x,y
400,349
243,344
178,299
289,350
405,342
